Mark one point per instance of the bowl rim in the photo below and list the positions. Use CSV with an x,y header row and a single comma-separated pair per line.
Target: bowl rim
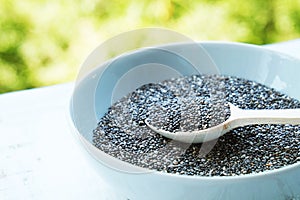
x,y
253,175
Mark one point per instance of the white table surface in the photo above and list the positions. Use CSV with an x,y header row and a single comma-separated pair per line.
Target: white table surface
x,y
40,158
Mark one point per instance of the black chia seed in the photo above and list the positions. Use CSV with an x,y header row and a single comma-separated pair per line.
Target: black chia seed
x,y
198,102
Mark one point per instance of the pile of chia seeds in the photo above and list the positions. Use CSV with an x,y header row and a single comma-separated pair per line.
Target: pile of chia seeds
x,y
198,102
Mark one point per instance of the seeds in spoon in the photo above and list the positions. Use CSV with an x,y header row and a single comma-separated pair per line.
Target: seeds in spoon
x,y
188,114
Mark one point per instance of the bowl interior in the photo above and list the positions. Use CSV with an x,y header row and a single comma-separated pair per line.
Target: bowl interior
x,y
109,81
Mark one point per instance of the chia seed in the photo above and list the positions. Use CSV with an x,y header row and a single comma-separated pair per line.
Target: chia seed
x,y
194,103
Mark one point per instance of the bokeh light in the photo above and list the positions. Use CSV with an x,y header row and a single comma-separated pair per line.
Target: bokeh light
x,y
44,42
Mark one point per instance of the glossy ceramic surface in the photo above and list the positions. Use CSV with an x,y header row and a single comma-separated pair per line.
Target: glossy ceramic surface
x,y
107,82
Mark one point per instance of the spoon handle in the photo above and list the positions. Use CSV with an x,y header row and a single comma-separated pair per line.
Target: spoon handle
x,y
279,116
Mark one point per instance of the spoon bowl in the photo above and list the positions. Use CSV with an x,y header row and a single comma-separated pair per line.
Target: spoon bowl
x,y
238,118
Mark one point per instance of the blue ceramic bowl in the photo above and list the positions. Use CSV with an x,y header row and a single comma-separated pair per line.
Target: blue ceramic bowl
x,y
106,82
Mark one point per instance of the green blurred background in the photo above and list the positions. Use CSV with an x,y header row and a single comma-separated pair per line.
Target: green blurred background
x,y
43,42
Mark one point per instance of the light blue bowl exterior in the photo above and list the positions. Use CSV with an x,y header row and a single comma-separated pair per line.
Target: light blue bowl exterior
x,y
247,61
